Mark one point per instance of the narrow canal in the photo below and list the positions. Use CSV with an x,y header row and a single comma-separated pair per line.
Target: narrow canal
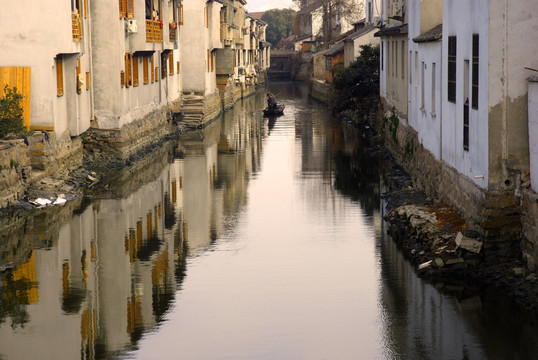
x,y
251,239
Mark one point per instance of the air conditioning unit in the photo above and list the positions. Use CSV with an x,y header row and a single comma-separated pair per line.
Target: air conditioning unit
x,y
131,26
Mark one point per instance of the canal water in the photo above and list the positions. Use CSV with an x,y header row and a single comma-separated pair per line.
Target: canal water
x,y
253,238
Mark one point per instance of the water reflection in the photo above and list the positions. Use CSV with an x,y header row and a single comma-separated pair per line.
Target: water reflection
x,y
92,277
251,238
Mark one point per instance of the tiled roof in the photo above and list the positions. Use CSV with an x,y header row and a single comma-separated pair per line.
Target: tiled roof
x,y
433,34
366,29
394,30
257,15
334,50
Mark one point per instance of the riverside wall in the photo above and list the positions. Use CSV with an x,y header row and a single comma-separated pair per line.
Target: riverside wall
x,y
24,163
495,215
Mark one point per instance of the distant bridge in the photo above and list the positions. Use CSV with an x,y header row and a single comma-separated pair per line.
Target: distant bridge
x,y
282,66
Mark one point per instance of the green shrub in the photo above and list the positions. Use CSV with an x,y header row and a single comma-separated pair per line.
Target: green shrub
x,y
11,115
357,85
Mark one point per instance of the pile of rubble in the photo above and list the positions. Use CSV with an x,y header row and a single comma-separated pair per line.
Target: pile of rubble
x,y
435,239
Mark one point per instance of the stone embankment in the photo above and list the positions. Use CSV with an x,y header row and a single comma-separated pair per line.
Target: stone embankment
x,y
438,242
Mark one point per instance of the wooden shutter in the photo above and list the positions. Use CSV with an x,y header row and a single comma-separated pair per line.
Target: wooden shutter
x,y
171,63
128,71
130,9
151,68
180,20
87,80
122,75
18,77
206,16
208,54
135,71
146,69
79,88
85,9
212,61
59,76
178,67
123,8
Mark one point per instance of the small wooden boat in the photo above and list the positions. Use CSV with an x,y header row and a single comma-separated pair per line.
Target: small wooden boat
x,y
276,111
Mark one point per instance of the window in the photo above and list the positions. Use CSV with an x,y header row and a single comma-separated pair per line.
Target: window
x,y
79,84
145,66
403,59
59,76
212,61
171,63
164,65
128,72
328,63
474,92
382,50
135,71
126,8
180,16
422,83
433,89
76,23
151,68
466,105
451,82
395,59
410,75
389,55
416,68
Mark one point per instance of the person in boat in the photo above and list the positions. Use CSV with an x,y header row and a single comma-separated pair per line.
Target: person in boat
x,y
271,101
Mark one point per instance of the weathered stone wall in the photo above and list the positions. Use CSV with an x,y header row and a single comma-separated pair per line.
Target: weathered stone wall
x,y
112,146
22,164
212,107
494,215
14,171
50,153
322,91
529,244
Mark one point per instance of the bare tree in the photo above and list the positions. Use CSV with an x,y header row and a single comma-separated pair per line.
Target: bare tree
x,y
334,13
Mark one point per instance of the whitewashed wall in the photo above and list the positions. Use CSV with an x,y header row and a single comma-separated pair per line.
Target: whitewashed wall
x,y
33,34
533,131
424,82
463,19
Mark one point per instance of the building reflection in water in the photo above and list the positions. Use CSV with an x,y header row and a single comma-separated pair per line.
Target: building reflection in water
x,y
92,277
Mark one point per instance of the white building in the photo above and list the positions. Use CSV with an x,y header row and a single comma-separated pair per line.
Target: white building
x,y
46,54
393,56
133,58
424,72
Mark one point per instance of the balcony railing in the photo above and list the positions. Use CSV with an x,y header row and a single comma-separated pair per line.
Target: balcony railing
x,y
153,31
76,26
